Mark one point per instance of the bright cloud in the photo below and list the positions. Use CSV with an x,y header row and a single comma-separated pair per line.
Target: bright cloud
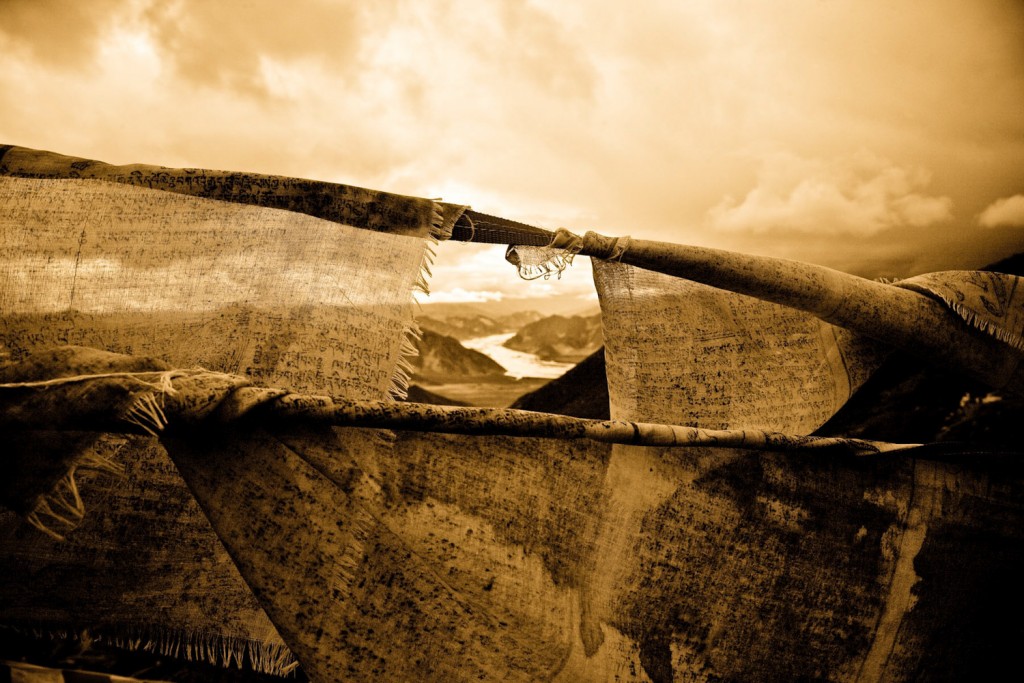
x,y
1008,211
860,194
458,295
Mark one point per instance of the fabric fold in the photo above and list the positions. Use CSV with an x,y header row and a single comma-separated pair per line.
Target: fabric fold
x,y
304,285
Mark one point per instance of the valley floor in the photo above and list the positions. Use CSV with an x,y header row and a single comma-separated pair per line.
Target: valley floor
x,y
487,394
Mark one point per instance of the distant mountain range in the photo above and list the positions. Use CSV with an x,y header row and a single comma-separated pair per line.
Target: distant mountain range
x,y
443,359
560,338
470,325
552,305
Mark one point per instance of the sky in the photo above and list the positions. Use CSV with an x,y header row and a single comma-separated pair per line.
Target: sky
x,y
880,137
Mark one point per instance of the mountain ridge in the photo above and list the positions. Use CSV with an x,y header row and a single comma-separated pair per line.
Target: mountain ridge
x,y
560,338
475,325
441,357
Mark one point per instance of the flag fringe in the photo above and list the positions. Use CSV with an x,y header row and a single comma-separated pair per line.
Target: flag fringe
x,y
225,651
533,263
60,510
440,229
147,413
979,323
274,659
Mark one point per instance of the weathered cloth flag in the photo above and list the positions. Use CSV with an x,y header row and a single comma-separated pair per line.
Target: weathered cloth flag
x,y
723,564
303,285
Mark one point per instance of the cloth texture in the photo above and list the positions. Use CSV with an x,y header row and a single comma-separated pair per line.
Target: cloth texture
x,y
313,295
680,352
723,564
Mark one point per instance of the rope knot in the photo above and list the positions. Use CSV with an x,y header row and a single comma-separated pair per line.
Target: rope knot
x,y
606,248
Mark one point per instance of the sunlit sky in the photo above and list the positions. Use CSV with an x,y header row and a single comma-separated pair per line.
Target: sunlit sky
x,y
880,137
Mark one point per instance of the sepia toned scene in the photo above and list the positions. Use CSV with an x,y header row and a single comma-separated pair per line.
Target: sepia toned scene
x,y
514,340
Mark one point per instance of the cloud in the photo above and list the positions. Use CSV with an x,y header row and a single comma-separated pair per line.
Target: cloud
x,y
530,44
61,34
860,194
1008,211
239,47
588,115
458,295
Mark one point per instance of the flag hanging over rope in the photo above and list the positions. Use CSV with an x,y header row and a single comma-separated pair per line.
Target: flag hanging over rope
x,y
304,285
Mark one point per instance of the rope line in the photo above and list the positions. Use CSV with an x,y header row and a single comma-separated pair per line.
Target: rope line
x,y
205,398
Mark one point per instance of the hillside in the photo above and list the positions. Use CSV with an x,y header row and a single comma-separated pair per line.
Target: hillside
x,y
418,394
908,402
443,359
1013,265
581,392
560,338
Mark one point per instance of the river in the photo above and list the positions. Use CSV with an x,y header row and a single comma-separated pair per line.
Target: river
x,y
516,363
